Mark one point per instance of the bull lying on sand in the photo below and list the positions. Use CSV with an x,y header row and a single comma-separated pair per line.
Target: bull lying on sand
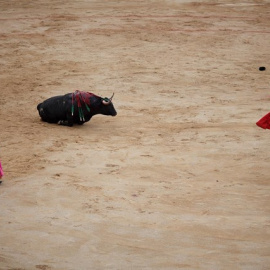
x,y
74,108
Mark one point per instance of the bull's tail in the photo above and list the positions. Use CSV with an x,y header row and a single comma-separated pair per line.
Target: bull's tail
x,y
41,112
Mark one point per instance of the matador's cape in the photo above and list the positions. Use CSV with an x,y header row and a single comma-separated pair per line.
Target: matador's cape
x,y
1,170
264,122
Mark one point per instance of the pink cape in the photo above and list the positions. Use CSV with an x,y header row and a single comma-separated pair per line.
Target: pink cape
x,y
1,170
264,122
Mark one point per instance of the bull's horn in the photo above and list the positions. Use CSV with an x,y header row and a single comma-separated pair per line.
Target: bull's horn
x,y
112,96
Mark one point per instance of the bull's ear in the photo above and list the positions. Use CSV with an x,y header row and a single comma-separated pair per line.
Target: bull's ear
x,y
106,101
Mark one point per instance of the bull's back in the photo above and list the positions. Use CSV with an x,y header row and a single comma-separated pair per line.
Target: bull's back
x,y
55,108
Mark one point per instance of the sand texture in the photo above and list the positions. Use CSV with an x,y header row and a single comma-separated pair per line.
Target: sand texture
x,y
179,179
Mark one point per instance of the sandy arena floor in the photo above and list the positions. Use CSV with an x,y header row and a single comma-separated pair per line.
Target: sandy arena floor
x,y
179,179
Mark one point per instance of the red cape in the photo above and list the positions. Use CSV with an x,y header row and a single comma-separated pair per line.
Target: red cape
x,y
264,122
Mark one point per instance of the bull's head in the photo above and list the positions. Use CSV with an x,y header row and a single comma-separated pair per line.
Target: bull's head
x,y
108,106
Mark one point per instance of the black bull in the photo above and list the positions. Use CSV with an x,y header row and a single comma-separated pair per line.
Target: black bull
x,y
74,108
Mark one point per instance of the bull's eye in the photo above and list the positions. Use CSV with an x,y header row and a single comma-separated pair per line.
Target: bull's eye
x,y
106,101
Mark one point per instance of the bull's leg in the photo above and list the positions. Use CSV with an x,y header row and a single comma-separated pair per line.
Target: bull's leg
x,y
68,122
63,123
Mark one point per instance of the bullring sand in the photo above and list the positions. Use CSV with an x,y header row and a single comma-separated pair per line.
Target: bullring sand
x,y
179,179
